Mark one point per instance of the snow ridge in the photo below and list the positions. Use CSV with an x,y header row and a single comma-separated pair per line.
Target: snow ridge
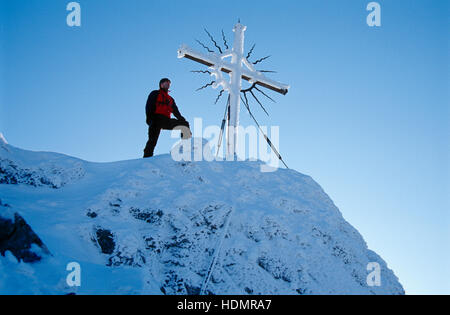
x,y
157,226
38,168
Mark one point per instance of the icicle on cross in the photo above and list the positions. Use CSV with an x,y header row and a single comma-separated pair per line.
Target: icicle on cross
x,y
237,72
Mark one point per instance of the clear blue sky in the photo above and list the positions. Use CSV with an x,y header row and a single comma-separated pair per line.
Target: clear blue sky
x,y
367,115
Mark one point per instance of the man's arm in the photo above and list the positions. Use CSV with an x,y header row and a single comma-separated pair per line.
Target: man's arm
x,y
176,112
150,107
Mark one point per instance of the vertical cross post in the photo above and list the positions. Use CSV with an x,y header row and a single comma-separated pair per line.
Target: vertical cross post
x,y
235,88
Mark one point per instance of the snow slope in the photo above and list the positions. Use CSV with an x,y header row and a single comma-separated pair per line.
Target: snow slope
x,y
156,226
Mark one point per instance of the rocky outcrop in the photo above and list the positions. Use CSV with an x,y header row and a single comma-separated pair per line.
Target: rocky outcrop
x,y
17,237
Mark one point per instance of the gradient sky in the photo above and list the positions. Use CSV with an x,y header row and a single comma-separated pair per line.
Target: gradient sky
x,y
367,115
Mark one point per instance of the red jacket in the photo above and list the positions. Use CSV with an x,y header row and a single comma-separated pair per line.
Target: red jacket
x,y
164,103
160,102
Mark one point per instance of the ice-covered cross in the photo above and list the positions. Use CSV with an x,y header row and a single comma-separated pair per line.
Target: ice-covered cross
x,y
237,72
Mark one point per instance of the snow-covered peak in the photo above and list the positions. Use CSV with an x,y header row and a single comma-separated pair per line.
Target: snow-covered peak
x,y
157,226
38,168
3,139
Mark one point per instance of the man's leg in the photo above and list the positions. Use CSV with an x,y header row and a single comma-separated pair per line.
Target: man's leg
x,y
171,124
153,134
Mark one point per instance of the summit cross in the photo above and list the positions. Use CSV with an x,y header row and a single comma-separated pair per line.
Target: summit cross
x,y
238,68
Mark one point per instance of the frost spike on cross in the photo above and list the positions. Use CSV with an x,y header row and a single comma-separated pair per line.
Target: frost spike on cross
x,y
237,72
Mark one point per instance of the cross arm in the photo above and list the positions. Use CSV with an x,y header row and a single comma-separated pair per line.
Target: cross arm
x,y
251,76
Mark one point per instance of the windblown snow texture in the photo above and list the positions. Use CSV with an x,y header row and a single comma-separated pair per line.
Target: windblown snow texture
x,y
156,226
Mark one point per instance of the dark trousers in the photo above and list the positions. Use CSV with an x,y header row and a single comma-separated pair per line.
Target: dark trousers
x,y
156,124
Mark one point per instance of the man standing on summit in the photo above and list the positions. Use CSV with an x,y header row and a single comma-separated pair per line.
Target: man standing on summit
x,y
159,108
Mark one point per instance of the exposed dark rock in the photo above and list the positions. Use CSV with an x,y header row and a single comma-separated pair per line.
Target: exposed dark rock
x,y
275,268
53,177
115,206
18,237
248,290
301,291
91,214
135,260
4,204
105,240
11,174
341,253
174,284
149,216
192,290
